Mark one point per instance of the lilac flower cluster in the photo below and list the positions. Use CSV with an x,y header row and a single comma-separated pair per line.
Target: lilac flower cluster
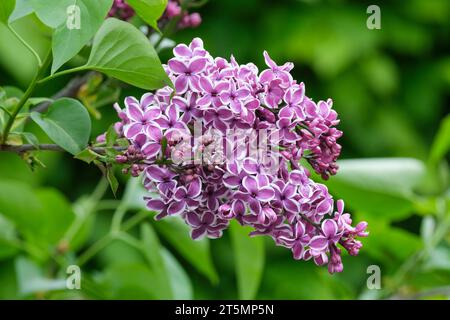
x,y
279,201
124,11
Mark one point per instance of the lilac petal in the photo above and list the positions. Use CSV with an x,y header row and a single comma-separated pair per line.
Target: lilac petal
x,y
263,180
289,190
255,207
195,188
176,207
197,65
147,99
242,93
133,130
299,229
296,177
291,205
231,181
172,112
329,228
181,84
182,50
193,219
266,76
269,62
155,204
222,86
212,203
139,140
340,206
220,125
250,166
297,251
266,194
324,207
151,149
135,113
250,184
180,194
318,243
198,233
180,102
206,84
208,218
204,101
177,66
155,173
238,207
224,113
154,133
252,104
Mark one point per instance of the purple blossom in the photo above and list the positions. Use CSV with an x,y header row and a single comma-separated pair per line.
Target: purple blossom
x,y
219,94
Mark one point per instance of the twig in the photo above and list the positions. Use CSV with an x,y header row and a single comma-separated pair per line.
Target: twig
x,y
49,147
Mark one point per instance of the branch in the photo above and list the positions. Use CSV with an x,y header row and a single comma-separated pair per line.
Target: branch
x,y
70,90
49,147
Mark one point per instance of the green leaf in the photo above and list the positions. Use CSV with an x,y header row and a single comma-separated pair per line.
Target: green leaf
x,y
30,278
6,8
111,136
441,143
123,52
8,237
67,42
112,180
180,283
41,215
381,187
149,10
132,281
133,198
22,9
51,12
87,155
30,138
249,260
152,252
197,253
67,123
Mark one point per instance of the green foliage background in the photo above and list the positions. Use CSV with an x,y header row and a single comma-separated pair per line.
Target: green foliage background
x,y
391,88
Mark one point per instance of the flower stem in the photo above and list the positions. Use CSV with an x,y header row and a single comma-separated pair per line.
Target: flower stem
x,y
25,97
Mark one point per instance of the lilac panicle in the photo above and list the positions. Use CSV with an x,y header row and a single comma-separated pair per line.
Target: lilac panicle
x,y
283,202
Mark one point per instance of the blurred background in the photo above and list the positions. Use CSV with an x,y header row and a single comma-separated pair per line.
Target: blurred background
x,y
391,88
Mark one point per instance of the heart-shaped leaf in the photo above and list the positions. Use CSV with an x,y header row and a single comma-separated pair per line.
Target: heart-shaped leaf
x,y
149,10
67,123
123,52
84,18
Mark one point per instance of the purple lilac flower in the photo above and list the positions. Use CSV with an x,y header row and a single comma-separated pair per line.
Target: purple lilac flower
x,y
282,201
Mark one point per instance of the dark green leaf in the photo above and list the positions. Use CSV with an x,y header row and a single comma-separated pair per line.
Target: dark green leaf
x,y
123,52
249,260
67,42
67,123
149,10
8,238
